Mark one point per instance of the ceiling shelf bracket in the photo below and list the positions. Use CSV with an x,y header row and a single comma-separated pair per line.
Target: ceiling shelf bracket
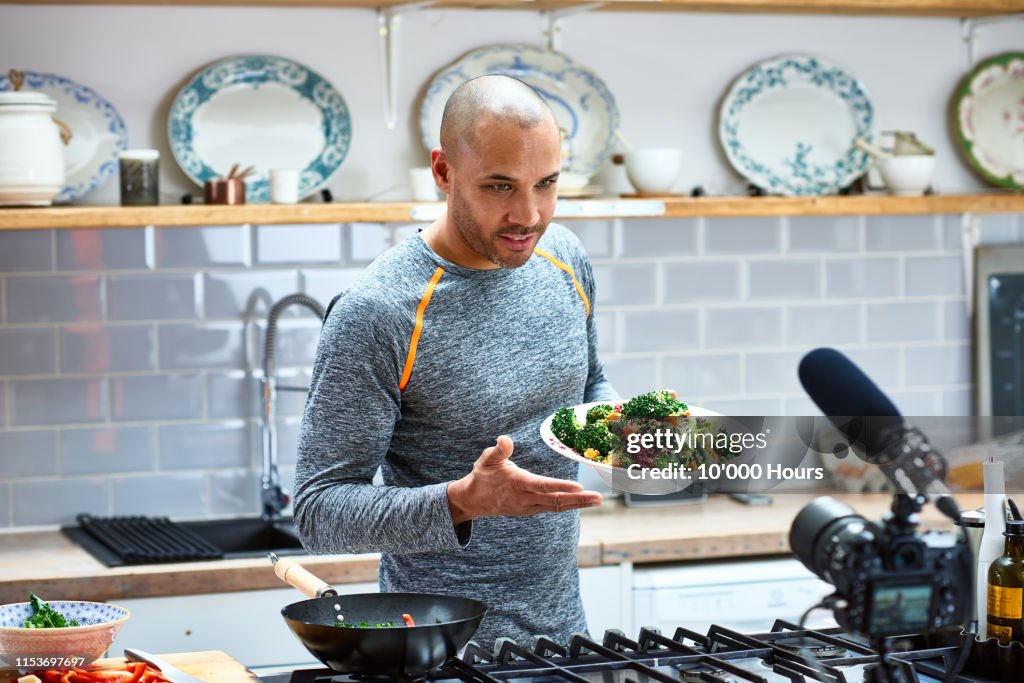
x,y
969,28
970,236
551,22
388,20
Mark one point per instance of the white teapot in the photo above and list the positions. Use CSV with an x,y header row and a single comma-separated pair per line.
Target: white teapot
x,y
31,148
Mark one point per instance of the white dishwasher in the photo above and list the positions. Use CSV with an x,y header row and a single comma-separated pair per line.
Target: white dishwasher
x,y
745,595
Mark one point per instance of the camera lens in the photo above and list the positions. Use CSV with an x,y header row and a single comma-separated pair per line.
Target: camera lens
x,y
824,531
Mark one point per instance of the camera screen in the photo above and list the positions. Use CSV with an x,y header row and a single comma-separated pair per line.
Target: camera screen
x,y
901,609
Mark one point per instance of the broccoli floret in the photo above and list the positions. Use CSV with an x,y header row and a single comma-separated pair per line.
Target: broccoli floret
x,y
598,413
596,435
653,404
564,425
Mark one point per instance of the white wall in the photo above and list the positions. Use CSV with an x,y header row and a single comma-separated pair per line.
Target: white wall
x,y
666,70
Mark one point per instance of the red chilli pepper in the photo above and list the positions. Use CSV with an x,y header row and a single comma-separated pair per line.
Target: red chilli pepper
x,y
408,620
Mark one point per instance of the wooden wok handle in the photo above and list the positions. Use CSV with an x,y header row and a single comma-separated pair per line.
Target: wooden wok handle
x,y
294,574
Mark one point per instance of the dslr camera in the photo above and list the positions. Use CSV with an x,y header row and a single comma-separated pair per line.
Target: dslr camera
x,y
889,579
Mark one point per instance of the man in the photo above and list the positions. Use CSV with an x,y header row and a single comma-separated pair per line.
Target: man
x,y
479,326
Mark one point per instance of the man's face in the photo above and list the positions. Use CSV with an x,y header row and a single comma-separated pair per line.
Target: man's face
x,y
502,188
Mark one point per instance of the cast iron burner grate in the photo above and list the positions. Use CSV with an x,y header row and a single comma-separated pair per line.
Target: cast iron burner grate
x,y
140,540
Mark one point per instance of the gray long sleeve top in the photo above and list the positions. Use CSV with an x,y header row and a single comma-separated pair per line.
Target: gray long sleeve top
x,y
421,365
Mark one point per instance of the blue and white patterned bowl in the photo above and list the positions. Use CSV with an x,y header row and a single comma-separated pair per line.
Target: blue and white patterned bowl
x,y
99,621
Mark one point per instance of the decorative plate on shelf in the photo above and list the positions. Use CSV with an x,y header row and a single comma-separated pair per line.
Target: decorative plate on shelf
x,y
988,115
98,133
788,126
583,105
262,111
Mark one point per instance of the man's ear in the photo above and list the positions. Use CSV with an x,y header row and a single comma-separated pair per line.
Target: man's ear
x,y
442,170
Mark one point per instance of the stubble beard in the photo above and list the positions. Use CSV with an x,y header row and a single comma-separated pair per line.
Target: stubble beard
x,y
473,235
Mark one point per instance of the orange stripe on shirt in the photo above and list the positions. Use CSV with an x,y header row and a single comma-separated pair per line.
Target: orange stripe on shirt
x,y
411,356
562,266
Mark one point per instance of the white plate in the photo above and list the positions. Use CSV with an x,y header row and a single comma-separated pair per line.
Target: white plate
x,y
98,133
583,105
989,119
262,111
788,126
617,476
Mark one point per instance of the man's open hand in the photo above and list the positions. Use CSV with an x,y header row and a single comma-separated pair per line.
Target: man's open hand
x,y
497,486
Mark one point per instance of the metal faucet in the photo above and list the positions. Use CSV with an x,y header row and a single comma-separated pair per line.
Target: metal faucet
x,y
274,498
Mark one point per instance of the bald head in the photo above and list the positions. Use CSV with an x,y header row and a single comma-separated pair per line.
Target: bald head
x,y
485,98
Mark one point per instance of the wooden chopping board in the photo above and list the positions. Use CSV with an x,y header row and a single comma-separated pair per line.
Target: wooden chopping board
x,y
212,666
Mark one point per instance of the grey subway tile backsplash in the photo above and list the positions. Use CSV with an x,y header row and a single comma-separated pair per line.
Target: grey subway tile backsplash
x,y
631,375
5,504
366,241
862,278
742,235
65,499
247,294
180,495
235,493
824,234
596,236
703,374
27,351
121,249
206,446
58,401
202,247
660,237
124,390
935,275
956,321
107,348
902,233
54,299
198,346
663,330
232,394
156,397
28,453
299,244
933,365
773,372
626,283
108,450
904,321
823,324
26,251
784,279
702,281
743,327
323,284
152,297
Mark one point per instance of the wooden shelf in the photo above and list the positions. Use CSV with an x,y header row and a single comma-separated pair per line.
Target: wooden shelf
x,y
948,8
71,217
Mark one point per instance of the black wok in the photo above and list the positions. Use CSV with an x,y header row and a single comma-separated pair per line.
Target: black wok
x,y
444,624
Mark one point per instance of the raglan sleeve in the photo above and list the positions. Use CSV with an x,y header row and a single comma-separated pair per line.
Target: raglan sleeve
x,y
349,418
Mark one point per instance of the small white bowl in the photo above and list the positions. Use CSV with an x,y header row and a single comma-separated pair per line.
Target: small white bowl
x,y
654,170
907,175
99,621
570,182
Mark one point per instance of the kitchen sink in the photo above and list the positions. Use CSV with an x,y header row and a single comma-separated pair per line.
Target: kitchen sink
x,y
117,541
249,537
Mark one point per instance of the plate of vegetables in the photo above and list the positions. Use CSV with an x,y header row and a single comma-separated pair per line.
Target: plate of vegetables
x,y
620,440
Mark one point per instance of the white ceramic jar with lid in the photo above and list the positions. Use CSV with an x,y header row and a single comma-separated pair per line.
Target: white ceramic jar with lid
x,y
31,150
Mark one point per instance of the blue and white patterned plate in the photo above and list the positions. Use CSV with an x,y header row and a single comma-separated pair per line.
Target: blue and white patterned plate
x,y
85,613
98,133
788,125
262,111
583,105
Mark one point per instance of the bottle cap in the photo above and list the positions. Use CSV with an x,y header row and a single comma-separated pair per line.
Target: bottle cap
x,y
1014,527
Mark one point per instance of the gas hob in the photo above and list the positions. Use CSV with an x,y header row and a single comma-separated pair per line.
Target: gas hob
x,y
787,654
